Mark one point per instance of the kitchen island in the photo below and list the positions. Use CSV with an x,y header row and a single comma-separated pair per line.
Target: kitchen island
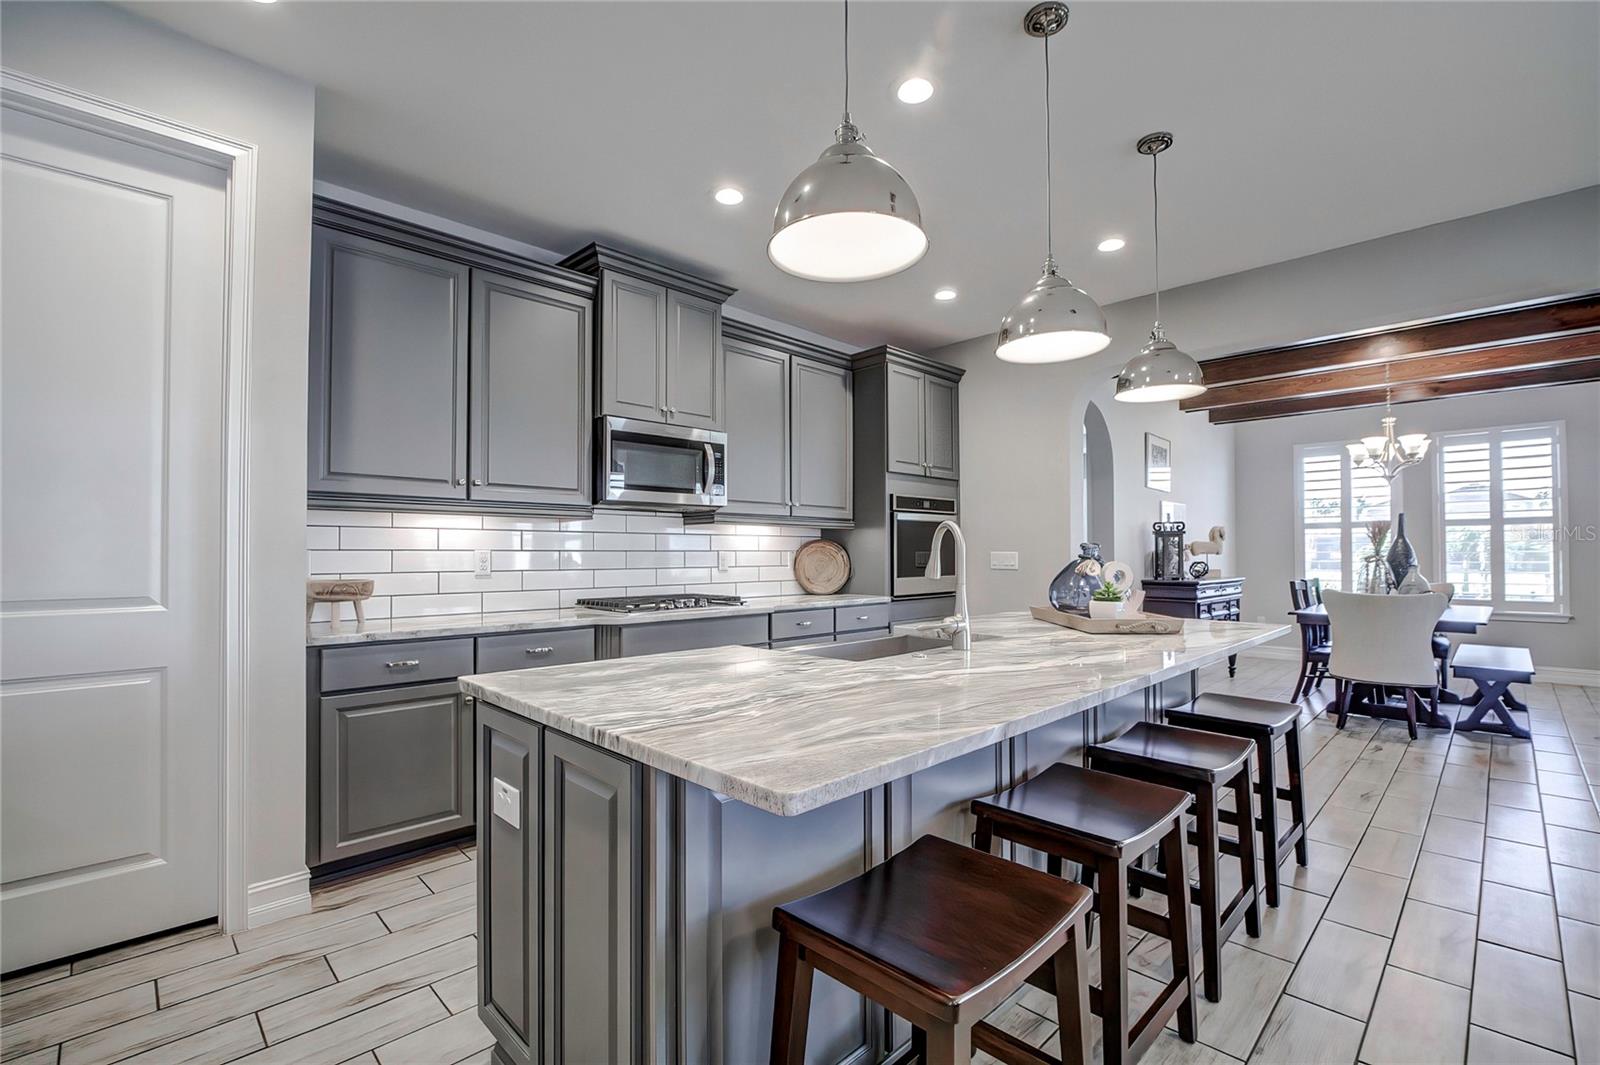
x,y
639,818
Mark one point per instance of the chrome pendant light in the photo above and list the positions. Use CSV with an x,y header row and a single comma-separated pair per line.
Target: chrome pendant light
x,y
849,216
1055,320
1160,372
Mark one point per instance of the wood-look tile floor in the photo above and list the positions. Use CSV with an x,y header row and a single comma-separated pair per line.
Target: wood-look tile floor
x,y
1450,913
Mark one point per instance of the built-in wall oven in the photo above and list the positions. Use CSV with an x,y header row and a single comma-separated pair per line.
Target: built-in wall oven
x,y
911,545
657,465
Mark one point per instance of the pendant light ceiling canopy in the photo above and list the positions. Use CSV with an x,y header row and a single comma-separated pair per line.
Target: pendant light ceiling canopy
x,y
1160,372
849,216
1055,320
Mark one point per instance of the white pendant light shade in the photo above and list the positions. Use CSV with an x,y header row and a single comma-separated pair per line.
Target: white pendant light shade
x,y
1160,373
1055,321
849,216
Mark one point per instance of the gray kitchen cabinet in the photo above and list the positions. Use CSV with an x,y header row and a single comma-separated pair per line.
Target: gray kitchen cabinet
x,y
633,348
904,422
396,767
694,361
693,634
820,440
593,902
941,449
529,439
388,369
758,429
510,863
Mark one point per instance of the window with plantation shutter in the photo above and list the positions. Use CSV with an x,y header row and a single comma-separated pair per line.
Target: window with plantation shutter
x,y
1500,513
1336,501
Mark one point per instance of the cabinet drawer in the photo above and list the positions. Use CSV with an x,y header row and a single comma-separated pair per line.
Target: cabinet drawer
x,y
659,637
802,623
369,665
525,650
856,618
1214,591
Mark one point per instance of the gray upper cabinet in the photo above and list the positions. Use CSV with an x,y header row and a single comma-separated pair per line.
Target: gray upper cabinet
x,y
530,425
918,403
820,440
633,348
904,423
941,449
694,364
758,429
388,381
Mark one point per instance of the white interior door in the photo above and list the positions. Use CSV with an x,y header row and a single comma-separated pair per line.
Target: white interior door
x,y
111,418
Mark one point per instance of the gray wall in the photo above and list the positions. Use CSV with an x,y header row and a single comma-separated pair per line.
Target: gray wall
x,y
112,54
1020,476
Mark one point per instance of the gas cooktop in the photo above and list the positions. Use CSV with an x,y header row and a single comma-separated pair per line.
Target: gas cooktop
x,y
634,604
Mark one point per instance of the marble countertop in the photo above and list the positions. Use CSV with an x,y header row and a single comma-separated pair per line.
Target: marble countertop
x,y
329,634
788,732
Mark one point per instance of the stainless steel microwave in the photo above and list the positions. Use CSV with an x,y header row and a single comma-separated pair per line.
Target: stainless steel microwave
x,y
653,464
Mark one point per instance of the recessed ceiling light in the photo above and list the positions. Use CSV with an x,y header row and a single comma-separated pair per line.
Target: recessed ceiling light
x,y
1112,244
944,295
729,196
266,1
914,90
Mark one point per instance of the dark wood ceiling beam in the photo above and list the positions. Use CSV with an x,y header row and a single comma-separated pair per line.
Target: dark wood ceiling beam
x,y
1395,343
1587,369
1332,385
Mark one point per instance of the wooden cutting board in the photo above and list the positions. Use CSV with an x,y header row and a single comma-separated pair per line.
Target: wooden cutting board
x,y
821,566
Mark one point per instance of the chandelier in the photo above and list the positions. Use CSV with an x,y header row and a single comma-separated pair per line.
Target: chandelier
x,y
1388,454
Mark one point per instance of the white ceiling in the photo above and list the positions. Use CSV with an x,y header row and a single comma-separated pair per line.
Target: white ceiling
x,y
1299,127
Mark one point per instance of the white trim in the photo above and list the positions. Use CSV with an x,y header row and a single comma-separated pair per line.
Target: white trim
x,y
1349,572
239,160
280,897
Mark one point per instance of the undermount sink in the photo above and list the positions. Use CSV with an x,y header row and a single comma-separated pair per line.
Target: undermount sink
x,y
868,650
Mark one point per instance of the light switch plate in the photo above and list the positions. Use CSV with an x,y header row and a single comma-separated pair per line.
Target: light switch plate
x,y
1002,560
506,805
485,568
724,561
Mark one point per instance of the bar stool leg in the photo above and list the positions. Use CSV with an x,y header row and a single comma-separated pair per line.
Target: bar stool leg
x,y
1072,998
948,1045
1243,789
1269,816
1210,870
1297,797
919,1045
1113,903
791,1010
1178,921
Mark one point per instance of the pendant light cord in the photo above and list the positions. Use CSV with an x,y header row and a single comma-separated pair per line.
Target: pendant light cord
x,y
1155,200
1049,196
847,58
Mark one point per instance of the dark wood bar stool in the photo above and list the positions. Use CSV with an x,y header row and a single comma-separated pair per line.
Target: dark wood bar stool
x,y
1104,823
1202,763
1263,721
940,934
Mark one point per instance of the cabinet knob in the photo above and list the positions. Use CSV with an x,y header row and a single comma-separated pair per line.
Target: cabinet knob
x,y
477,481
461,480
672,410
803,624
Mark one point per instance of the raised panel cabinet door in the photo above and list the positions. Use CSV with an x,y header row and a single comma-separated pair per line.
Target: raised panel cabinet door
x,y
531,396
388,354
510,863
942,447
396,767
758,429
633,348
694,361
593,897
903,392
821,440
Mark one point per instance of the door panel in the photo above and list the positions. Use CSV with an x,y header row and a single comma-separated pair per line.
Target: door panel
x,y
388,369
694,361
758,430
530,393
633,348
111,333
509,908
823,428
904,389
941,449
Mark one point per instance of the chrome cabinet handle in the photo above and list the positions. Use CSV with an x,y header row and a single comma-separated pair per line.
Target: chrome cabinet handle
x,y
477,481
461,480
541,650
803,624
404,663
863,617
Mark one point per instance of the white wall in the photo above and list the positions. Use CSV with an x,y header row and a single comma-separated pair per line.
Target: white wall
x,y
109,53
1020,449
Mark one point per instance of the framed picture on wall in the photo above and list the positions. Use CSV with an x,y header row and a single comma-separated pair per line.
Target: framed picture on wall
x,y
1157,462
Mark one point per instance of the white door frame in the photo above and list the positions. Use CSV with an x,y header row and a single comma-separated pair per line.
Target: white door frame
x,y
238,159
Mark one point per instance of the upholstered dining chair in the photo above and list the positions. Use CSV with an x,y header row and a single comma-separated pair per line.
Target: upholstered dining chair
x,y
1384,641
1442,648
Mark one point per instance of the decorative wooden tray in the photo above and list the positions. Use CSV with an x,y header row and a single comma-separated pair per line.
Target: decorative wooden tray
x,y
821,567
1132,623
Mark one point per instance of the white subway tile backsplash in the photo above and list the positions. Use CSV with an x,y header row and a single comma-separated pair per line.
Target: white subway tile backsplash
x,y
624,541
479,539
399,583
594,560
777,573
525,559
570,597
674,575
735,574
364,539
538,580
655,589
652,559
674,542
756,589
349,517
624,576
498,521
437,521
415,606
410,561
598,523
505,581
324,563
375,608
322,538
558,541
707,559
653,523
496,601
757,558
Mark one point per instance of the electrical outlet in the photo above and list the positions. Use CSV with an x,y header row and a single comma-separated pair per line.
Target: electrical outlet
x,y
506,806
483,564
1260,620
1002,560
724,561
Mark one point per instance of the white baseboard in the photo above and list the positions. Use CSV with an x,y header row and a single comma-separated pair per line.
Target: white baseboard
x,y
1543,674
280,897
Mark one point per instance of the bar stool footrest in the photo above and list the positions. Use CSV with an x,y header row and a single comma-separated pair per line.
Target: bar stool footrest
x,y
1004,1046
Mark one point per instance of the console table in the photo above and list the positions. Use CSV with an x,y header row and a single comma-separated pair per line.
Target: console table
x,y
1205,599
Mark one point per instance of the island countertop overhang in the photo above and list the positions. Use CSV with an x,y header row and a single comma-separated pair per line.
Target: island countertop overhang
x,y
788,732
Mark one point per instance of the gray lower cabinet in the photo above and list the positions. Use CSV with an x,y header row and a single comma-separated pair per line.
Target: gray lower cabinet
x,y
530,424
510,863
662,636
388,370
395,767
820,436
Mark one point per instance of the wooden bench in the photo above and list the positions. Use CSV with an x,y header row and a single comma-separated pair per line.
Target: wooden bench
x,y
1494,670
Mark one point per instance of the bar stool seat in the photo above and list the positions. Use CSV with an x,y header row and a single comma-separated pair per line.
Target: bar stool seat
x,y
1261,720
940,934
1186,753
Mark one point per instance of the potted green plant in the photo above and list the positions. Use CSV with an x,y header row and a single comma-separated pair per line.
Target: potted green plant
x,y
1107,602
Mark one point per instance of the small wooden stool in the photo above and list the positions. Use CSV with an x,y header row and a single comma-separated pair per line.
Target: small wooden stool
x,y
1263,721
1105,822
940,934
1203,763
1494,670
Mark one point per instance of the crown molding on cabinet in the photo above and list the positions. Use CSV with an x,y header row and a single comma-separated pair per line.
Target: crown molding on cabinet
x,y
886,353
597,257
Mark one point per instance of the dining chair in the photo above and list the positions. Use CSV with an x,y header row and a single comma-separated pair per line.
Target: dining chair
x,y
1384,641
1313,644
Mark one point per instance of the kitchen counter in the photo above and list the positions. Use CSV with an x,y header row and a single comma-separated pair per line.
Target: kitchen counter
x,y
787,732
329,634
